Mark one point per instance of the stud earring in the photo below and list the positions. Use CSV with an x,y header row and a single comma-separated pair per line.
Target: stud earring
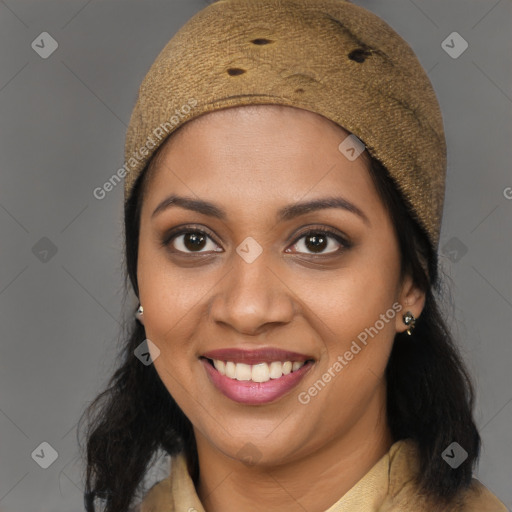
x,y
139,312
410,321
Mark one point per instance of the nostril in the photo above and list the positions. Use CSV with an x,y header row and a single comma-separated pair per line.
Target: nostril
x,y
359,54
235,71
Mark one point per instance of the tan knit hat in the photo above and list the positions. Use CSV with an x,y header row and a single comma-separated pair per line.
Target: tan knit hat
x,y
326,56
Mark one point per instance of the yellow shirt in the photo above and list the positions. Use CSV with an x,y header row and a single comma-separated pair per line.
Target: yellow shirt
x,y
387,487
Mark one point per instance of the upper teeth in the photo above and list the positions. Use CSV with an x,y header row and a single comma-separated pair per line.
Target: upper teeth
x,y
261,372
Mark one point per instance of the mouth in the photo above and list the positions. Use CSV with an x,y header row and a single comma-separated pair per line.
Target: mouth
x,y
255,377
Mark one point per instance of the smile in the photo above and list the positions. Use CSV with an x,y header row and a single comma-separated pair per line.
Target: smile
x,y
255,384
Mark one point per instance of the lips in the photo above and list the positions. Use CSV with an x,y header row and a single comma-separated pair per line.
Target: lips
x,y
254,391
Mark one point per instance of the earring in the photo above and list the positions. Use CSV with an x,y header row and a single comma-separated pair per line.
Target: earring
x,y
139,313
410,321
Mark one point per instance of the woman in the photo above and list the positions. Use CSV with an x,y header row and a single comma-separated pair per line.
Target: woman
x,y
284,183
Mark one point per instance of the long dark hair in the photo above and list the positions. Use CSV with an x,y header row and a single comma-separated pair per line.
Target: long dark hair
x,y
429,393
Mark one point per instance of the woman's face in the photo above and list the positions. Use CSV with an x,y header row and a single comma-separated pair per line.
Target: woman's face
x,y
255,283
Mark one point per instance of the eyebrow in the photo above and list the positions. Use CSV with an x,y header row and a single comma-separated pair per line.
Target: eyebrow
x,y
287,213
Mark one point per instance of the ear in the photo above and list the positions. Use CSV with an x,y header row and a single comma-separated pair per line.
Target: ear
x,y
412,299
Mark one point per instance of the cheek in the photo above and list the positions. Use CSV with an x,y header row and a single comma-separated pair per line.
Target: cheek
x,y
172,305
172,300
167,292
351,299
357,328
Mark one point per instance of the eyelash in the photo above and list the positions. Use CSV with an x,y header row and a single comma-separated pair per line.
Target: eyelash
x,y
330,233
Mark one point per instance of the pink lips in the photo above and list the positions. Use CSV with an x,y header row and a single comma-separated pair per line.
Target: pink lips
x,y
249,392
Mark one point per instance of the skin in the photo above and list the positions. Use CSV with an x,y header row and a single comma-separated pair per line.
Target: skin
x,y
252,161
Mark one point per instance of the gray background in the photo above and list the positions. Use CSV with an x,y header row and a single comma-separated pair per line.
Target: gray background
x,y
63,121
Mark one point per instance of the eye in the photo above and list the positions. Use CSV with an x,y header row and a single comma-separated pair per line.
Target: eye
x,y
190,241
318,240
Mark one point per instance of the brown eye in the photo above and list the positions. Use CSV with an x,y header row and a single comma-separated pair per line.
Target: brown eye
x,y
320,242
194,241
316,243
191,241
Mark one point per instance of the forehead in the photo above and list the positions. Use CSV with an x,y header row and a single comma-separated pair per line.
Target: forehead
x,y
257,153
262,119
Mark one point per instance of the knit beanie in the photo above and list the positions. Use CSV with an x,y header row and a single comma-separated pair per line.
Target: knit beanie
x,y
330,57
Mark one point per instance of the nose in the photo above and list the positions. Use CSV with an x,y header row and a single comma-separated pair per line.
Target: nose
x,y
252,298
